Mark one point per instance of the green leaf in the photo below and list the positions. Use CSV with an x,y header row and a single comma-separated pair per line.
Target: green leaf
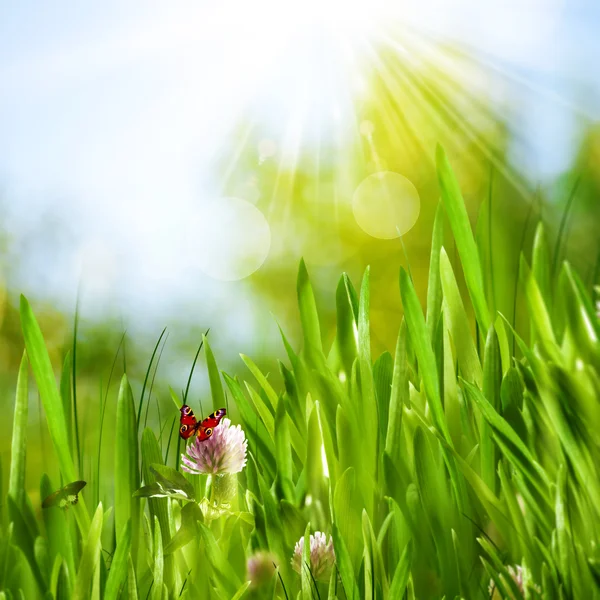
x,y
188,530
241,591
434,290
221,574
127,477
272,519
511,445
382,377
402,572
158,506
378,582
65,394
24,538
344,563
118,566
463,235
132,589
40,550
398,397
347,318
90,557
16,483
314,463
263,409
456,319
283,452
369,407
422,347
159,565
256,432
492,380
53,406
214,377
540,265
308,313
262,380
346,511
540,318
306,576
169,478
326,436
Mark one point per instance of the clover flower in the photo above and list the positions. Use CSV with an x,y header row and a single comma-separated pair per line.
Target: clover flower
x,y
261,568
223,452
516,574
322,556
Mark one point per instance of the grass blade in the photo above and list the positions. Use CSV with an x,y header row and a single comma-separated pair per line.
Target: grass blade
x,y
118,566
90,557
46,383
463,235
139,414
401,573
398,397
309,316
456,319
434,290
157,589
18,452
422,346
214,377
127,478
65,394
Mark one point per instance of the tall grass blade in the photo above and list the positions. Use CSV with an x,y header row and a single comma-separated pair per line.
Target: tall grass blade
x,y
492,380
16,483
463,235
563,225
456,319
118,566
65,394
46,383
214,377
139,413
422,346
74,386
308,313
398,397
157,589
401,573
90,557
434,290
127,474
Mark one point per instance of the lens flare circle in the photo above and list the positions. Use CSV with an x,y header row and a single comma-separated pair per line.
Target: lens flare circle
x,y
386,205
232,239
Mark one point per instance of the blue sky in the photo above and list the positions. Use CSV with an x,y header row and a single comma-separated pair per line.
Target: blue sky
x,y
111,113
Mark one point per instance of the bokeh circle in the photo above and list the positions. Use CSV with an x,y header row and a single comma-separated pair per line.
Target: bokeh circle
x,y
386,205
232,239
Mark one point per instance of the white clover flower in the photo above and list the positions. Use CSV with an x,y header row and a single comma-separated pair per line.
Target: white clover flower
x,y
261,568
223,452
322,556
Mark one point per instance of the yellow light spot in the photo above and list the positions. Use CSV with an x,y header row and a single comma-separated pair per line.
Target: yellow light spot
x,y
386,205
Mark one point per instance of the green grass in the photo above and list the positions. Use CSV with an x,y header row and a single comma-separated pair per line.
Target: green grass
x,y
436,470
